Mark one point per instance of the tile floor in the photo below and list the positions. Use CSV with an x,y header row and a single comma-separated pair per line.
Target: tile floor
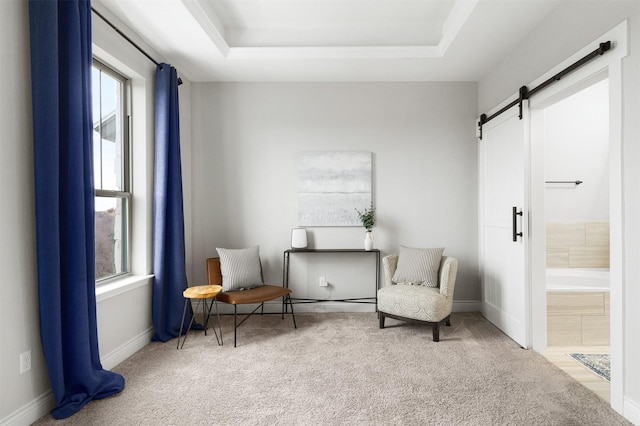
x,y
578,322
558,356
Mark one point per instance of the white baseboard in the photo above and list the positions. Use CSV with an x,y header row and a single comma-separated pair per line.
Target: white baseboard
x,y
31,412
632,411
467,306
276,307
127,349
333,307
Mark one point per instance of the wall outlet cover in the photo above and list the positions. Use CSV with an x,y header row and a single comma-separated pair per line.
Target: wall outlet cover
x,y
25,361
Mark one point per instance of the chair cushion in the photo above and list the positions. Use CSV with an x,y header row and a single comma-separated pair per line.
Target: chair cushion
x,y
413,301
254,295
418,266
240,268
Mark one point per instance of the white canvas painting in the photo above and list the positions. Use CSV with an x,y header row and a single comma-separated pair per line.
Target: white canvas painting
x,y
331,186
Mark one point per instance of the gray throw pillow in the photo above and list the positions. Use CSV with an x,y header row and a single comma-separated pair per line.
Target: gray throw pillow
x,y
240,268
418,266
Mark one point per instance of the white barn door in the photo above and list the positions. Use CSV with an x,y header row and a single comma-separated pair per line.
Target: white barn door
x,y
503,171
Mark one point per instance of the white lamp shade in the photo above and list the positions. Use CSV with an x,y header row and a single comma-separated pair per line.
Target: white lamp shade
x,y
298,238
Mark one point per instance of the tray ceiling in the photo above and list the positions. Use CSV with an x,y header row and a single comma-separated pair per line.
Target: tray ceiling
x,y
331,40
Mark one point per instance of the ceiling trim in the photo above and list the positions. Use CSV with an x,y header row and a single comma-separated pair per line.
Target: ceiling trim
x,y
210,23
330,52
213,27
455,21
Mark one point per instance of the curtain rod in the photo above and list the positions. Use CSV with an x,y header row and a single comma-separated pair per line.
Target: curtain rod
x,y
525,93
124,36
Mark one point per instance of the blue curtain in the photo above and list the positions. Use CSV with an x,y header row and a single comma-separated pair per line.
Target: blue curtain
x,y
60,34
170,278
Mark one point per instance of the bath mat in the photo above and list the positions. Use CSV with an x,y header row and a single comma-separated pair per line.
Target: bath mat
x,y
598,363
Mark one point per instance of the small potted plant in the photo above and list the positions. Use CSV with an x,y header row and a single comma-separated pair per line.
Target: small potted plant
x,y
368,219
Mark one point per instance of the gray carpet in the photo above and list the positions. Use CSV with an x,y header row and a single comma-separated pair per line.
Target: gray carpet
x,y
341,369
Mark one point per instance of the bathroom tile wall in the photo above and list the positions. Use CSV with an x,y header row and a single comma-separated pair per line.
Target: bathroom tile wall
x,y
578,319
577,244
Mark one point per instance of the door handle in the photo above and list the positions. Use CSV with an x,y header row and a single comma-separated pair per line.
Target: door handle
x,y
514,214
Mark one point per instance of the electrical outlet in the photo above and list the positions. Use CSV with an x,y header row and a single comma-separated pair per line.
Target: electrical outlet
x,y
25,361
323,281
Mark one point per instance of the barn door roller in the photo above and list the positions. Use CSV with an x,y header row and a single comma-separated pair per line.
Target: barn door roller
x,y
524,93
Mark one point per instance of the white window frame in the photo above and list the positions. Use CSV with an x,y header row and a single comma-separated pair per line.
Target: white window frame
x,y
126,192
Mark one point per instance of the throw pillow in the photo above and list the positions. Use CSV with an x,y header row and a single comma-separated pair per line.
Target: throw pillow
x,y
418,266
240,268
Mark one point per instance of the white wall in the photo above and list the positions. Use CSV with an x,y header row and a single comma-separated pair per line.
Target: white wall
x,y
19,330
569,28
123,308
576,135
422,135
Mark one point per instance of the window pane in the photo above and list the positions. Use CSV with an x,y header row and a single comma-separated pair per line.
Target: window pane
x,y
95,104
111,201
107,131
95,101
111,227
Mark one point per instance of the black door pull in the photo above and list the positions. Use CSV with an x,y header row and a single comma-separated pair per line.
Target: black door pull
x,y
514,214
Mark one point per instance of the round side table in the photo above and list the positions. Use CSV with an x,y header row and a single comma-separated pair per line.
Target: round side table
x,y
201,293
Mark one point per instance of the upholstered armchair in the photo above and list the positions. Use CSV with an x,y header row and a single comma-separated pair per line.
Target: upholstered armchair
x,y
417,302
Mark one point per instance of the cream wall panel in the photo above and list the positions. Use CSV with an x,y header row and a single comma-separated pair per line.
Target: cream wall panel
x,y
595,330
557,257
589,257
597,234
565,234
577,244
575,303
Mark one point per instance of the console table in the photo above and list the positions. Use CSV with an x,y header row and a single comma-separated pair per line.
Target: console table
x,y
366,299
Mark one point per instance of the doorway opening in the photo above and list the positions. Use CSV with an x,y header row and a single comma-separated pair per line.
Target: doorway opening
x,y
576,214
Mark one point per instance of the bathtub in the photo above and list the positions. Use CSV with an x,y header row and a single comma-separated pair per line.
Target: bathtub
x,y
577,279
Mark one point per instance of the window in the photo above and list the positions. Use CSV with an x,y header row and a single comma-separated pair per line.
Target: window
x,y
111,171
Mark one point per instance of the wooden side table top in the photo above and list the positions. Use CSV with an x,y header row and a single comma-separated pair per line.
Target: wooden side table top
x,y
202,291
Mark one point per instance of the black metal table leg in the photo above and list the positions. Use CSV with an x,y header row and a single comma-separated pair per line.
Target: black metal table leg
x,y
184,312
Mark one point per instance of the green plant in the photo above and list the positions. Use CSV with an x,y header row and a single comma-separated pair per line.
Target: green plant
x,y
368,218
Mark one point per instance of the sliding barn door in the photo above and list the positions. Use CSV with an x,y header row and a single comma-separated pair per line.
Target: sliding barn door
x,y
503,219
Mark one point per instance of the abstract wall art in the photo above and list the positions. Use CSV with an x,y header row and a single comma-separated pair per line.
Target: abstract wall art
x,y
331,186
